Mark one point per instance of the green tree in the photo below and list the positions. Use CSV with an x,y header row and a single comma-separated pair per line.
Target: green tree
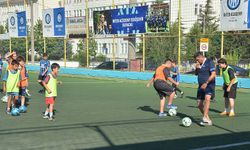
x,y
162,45
2,29
54,46
191,41
206,27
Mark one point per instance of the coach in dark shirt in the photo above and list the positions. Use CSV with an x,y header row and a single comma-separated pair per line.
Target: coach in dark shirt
x,y
205,70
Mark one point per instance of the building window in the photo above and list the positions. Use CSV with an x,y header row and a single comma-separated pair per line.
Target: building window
x,y
80,12
196,9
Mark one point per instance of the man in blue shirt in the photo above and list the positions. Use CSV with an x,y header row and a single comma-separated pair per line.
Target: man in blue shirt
x,y
44,68
205,70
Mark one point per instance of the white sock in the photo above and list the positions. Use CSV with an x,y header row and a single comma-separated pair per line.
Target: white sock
x,y
50,114
46,113
232,110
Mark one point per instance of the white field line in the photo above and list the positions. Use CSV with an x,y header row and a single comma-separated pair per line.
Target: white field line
x,y
223,146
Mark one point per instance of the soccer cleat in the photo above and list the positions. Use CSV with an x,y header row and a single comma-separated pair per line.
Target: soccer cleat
x,y
162,114
8,112
231,114
206,122
51,118
45,117
224,113
182,93
171,106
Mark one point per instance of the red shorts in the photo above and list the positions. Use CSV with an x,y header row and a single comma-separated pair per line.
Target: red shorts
x,y
50,100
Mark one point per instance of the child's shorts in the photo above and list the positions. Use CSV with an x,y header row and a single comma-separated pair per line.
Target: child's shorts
x,y
12,93
22,91
50,100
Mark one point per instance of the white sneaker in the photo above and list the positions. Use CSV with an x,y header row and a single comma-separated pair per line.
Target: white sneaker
x,y
45,116
206,122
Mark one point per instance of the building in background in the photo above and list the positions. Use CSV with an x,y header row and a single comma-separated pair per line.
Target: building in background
x,y
76,19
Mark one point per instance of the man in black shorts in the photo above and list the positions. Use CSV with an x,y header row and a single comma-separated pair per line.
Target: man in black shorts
x,y
229,87
205,70
163,88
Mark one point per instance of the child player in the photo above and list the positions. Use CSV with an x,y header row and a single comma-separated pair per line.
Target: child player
x,y
24,79
176,77
229,87
44,68
50,84
11,81
1,66
163,88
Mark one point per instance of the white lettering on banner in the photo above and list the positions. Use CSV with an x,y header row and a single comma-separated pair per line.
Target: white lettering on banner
x,y
234,15
59,26
125,20
127,25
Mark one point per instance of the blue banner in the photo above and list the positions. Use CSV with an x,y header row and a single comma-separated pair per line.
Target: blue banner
x,y
59,22
248,17
22,26
129,20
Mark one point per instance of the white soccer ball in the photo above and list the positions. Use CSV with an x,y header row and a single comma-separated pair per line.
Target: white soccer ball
x,y
186,122
172,112
4,99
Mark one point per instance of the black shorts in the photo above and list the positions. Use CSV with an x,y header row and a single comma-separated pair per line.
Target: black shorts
x,y
163,88
40,77
210,90
232,92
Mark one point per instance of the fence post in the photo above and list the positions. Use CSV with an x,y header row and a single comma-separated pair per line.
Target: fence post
x,y
87,32
113,45
179,35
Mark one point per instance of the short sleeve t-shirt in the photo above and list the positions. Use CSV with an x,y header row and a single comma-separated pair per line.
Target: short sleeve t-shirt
x,y
205,71
166,73
1,64
44,64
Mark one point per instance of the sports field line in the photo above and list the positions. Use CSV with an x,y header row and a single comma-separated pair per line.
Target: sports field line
x,y
223,146
94,82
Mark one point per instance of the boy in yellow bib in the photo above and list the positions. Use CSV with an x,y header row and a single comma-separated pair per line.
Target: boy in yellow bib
x,y
229,87
11,81
50,84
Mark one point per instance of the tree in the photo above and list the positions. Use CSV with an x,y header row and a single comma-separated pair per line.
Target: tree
x,y
81,55
2,29
164,45
54,46
191,41
205,27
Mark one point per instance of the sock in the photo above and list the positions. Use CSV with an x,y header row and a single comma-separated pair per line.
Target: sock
x,y
232,110
50,114
46,113
226,110
8,109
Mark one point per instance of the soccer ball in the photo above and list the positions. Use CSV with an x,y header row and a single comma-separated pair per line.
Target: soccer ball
x,y
4,99
15,112
186,122
172,112
22,109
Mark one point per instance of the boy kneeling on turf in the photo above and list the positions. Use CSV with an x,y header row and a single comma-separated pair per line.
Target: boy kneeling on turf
x,y
229,87
50,84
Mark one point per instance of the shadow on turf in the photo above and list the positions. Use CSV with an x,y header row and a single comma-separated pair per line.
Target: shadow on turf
x,y
148,109
188,143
